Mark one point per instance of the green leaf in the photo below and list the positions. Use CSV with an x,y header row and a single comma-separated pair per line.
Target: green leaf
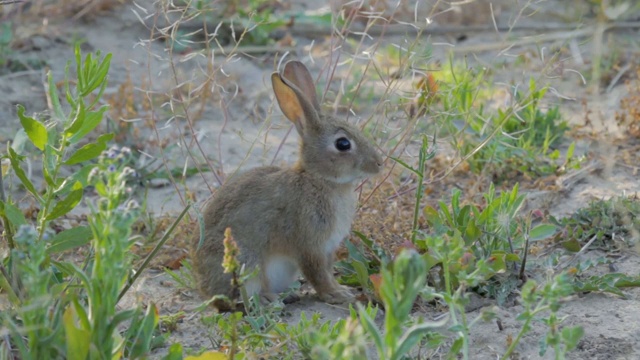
x,y
35,130
15,165
472,232
73,270
571,150
456,347
94,74
55,101
48,165
77,121
81,175
15,215
81,312
361,272
415,334
370,327
407,166
571,336
497,262
141,342
512,257
541,232
572,245
175,352
70,239
91,121
19,141
70,202
78,340
611,283
90,151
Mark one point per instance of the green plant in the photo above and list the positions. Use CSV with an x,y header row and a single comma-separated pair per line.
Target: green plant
x,y
533,126
6,36
459,273
521,139
331,340
606,224
470,247
9,62
184,276
496,233
258,331
538,300
400,287
613,222
454,96
58,308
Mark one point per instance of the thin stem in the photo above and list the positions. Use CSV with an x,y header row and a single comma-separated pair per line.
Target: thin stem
x,y
153,253
419,189
5,221
523,330
42,221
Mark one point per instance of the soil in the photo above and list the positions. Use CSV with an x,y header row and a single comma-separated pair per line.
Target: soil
x,y
232,133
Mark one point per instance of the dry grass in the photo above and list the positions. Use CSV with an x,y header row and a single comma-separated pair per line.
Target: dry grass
x,y
629,115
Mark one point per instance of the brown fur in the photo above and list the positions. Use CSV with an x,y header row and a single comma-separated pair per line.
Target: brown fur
x,y
300,213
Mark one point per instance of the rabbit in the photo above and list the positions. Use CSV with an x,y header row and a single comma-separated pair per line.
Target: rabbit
x,y
287,220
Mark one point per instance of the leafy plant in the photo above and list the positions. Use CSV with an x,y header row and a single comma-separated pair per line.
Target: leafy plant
x,y
400,287
538,300
9,61
521,139
6,36
612,221
496,233
459,273
58,308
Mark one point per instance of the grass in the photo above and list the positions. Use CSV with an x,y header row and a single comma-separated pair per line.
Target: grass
x,y
432,233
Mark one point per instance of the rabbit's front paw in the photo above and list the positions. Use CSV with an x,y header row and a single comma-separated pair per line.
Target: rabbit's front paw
x,y
338,296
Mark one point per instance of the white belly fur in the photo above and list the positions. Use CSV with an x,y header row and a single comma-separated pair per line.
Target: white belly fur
x,y
345,207
280,272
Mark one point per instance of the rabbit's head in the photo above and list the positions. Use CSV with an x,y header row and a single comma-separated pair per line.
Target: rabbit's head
x,y
331,148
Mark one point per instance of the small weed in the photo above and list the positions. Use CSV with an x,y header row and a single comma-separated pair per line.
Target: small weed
x,y
6,37
526,142
183,276
9,62
610,225
613,222
496,234
538,300
259,332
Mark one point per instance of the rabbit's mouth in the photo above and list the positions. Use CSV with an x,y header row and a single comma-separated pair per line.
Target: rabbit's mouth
x,y
351,178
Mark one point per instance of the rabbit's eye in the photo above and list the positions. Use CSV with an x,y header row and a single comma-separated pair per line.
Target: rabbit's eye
x,y
343,144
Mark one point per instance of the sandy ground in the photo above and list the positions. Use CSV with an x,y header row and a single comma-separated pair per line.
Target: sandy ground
x,y
234,133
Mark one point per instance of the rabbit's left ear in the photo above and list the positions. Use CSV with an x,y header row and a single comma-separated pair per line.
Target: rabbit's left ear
x,y
295,105
296,73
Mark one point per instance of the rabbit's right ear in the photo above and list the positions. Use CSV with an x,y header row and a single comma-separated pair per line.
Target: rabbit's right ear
x,y
294,104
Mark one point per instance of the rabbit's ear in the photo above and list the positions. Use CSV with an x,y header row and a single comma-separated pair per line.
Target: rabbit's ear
x,y
294,104
298,74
